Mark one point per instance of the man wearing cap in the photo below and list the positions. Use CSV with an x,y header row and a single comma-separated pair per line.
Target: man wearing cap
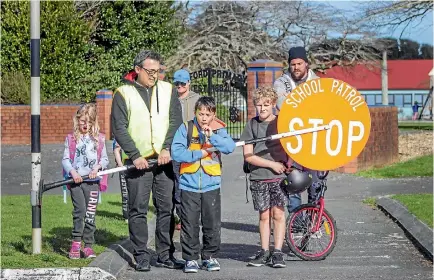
x,y
145,116
187,98
298,72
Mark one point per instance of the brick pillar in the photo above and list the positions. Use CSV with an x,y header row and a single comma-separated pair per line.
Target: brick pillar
x,y
104,105
260,73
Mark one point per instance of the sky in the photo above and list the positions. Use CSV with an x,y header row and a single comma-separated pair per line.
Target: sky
x,y
423,33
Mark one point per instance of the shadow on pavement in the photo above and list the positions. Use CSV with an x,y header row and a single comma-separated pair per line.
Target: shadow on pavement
x,y
241,227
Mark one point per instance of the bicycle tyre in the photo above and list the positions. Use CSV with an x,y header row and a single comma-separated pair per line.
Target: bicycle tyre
x,y
299,253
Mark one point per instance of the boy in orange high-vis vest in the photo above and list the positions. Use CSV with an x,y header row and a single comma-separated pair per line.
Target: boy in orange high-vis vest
x,y
200,182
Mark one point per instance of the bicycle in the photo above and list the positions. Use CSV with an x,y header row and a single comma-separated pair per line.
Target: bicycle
x,y
306,224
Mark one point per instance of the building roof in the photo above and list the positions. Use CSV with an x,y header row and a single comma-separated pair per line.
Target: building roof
x,y
402,75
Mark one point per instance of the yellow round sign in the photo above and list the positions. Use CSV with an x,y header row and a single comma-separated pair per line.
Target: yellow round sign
x,y
319,102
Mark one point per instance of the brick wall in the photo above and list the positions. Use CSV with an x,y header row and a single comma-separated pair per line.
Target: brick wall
x,y
104,105
260,73
382,146
56,121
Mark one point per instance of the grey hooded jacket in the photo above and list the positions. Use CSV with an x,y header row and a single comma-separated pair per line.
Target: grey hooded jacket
x,y
285,84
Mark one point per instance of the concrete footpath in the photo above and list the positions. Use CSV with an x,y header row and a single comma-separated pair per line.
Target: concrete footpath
x,y
369,245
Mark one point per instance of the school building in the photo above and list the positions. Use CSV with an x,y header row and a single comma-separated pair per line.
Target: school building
x,y
408,81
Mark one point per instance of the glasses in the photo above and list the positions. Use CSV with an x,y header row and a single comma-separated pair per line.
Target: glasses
x,y
177,84
150,72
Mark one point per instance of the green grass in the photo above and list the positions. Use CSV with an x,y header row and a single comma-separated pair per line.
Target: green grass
x,y
420,205
421,166
16,235
371,201
415,125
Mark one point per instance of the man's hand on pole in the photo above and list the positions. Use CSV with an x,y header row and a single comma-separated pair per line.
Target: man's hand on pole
x,y
141,163
164,157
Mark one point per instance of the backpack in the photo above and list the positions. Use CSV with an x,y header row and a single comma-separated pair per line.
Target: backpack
x,y
246,165
72,146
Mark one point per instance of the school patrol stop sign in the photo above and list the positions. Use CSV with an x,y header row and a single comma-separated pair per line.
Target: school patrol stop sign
x,y
318,102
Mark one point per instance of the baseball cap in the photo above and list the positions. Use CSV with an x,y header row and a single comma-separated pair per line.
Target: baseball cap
x,y
181,76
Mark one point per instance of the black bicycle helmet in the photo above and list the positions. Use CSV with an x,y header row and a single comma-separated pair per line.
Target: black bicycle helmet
x,y
296,182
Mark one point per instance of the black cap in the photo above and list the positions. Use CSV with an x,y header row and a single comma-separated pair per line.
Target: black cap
x,y
297,52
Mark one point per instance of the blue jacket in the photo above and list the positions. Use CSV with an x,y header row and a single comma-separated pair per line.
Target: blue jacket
x,y
200,181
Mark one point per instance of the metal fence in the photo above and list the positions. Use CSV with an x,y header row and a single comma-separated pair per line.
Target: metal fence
x,y
230,92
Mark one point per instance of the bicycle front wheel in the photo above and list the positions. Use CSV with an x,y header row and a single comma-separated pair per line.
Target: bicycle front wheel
x,y
301,238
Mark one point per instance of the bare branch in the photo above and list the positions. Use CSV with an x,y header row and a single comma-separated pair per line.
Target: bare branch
x,y
229,34
393,15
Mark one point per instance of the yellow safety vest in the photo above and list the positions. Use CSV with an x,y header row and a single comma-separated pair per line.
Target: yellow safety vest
x,y
147,128
211,164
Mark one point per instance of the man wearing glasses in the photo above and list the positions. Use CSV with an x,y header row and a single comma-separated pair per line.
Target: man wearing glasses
x,y
188,99
145,116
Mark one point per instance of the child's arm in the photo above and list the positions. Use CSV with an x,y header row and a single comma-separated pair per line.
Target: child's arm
x,y
118,158
179,149
66,161
222,141
103,161
67,165
253,159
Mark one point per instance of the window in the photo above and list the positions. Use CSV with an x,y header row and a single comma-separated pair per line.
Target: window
x,y
370,99
420,98
378,99
407,100
399,100
391,99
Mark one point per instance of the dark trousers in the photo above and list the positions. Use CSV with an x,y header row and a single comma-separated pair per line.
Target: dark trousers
x,y
196,209
84,198
124,192
140,183
177,191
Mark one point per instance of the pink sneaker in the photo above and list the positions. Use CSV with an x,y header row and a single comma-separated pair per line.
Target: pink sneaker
x,y
89,253
74,253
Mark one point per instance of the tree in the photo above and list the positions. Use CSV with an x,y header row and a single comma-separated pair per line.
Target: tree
x,y
223,35
345,52
408,49
230,34
64,38
122,29
426,51
396,14
85,45
392,46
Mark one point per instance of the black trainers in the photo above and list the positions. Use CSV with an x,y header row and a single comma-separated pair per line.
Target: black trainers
x,y
262,258
277,260
143,265
171,263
